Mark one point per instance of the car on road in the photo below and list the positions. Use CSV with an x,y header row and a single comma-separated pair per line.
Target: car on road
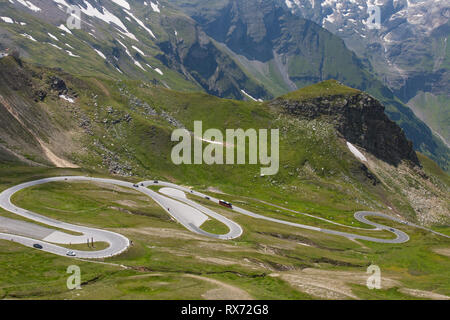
x,y
207,198
225,204
142,184
135,185
393,230
37,246
71,254
156,181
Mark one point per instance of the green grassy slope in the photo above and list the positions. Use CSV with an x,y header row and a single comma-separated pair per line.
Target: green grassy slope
x,y
323,89
434,110
267,262
318,175
124,127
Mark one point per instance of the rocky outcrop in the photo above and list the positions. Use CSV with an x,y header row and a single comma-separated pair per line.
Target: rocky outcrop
x,y
361,120
58,85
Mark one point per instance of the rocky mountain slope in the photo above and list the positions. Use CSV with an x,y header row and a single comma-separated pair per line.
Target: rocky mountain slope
x,y
408,51
220,47
358,117
32,133
144,40
52,118
270,40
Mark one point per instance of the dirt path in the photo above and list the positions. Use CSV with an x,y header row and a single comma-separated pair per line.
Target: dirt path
x,y
424,294
224,292
329,284
443,251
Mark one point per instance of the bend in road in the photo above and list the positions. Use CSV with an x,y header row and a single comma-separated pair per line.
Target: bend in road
x,y
187,212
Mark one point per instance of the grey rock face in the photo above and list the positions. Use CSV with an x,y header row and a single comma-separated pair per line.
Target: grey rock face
x,y
361,120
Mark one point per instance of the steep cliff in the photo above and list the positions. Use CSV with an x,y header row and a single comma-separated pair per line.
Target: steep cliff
x,y
357,116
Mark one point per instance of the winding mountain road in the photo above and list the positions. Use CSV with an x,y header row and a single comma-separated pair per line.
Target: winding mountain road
x,y
360,216
172,198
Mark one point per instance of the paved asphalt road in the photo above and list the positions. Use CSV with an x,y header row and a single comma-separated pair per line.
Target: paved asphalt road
x,y
361,216
117,243
29,234
235,230
189,213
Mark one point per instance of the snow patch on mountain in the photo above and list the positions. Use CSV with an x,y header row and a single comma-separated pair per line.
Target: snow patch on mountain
x,y
248,96
140,23
104,15
139,50
155,7
100,54
68,99
356,152
54,45
52,36
29,5
125,47
122,3
64,28
107,17
71,54
139,65
28,37
7,19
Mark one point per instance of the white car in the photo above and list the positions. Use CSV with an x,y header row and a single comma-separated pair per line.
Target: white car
x,y
71,254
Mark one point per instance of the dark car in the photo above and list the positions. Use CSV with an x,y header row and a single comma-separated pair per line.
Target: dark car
x,y
225,204
207,198
37,246
156,181
135,185
393,230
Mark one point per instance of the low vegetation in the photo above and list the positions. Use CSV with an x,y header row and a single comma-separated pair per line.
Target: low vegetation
x,y
265,262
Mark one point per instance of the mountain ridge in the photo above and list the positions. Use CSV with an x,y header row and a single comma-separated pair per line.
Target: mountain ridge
x,y
161,43
290,43
408,50
357,116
